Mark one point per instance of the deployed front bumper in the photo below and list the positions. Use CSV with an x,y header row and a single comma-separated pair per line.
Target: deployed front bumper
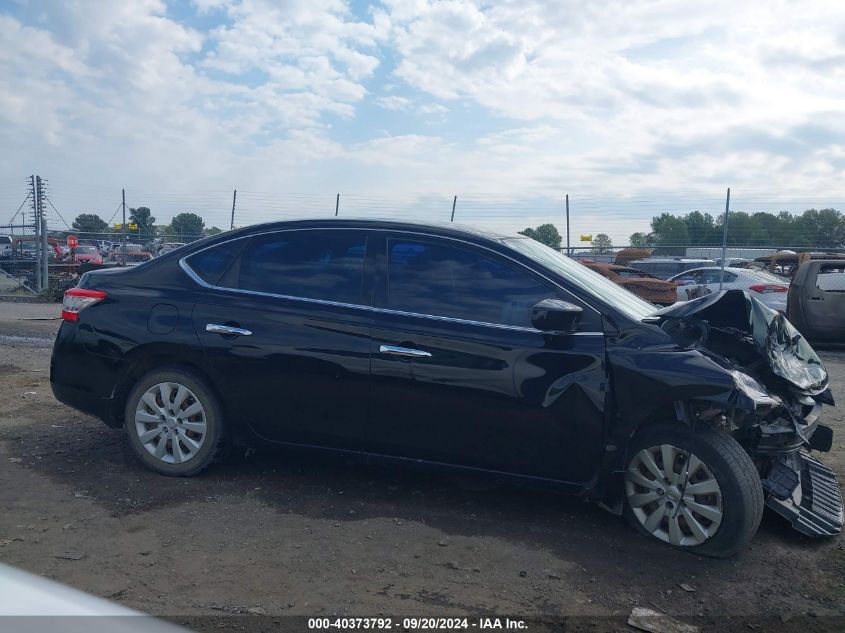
x,y
814,505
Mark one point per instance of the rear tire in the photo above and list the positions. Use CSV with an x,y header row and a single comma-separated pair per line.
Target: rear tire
x,y
174,423
709,502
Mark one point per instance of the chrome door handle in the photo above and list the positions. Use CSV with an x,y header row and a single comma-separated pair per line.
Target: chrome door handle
x,y
226,329
404,351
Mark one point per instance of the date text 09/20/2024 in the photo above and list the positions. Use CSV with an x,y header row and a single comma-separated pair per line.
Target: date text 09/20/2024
x,y
430,624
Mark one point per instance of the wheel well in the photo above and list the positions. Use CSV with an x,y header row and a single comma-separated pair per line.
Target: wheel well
x,y
144,359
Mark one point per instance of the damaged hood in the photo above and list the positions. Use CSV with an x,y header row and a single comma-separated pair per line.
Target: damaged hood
x,y
736,326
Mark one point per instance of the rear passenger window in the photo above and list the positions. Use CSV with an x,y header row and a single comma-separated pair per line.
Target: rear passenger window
x,y
210,264
427,278
326,265
831,278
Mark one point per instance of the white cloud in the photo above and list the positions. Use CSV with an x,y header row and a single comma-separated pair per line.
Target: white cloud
x,y
516,98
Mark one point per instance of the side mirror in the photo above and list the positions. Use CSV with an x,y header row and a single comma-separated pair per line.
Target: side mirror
x,y
554,315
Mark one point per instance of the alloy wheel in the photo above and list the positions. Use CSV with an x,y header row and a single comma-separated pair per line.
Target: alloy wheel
x,y
674,495
170,422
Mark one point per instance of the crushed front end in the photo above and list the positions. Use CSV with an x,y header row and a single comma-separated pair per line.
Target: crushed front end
x,y
781,388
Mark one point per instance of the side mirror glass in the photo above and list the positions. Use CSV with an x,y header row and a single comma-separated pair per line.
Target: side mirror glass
x,y
554,315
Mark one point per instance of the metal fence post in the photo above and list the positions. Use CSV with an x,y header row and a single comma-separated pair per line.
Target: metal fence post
x,y
45,257
568,249
725,239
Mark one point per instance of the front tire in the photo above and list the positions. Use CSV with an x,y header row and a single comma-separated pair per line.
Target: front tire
x,y
697,491
174,423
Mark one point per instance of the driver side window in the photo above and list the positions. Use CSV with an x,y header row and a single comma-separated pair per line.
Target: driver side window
x,y
432,278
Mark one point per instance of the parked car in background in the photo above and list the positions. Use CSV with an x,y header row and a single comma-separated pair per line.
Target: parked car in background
x,y
816,300
642,284
5,246
768,289
169,246
118,248
668,267
132,258
457,347
88,254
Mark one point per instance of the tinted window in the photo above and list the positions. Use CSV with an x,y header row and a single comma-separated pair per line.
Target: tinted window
x,y
326,265
211,263
712,277
428,278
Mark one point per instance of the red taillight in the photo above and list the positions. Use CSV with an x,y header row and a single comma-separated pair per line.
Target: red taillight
x,y
767,288
77,299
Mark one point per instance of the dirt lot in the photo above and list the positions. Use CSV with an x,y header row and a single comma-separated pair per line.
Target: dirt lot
x,y
287,533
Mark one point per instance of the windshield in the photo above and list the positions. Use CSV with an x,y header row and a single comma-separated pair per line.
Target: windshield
x,y
85,250
589,281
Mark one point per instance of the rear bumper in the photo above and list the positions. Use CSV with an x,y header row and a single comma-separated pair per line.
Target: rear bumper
x,y
814,507
85,402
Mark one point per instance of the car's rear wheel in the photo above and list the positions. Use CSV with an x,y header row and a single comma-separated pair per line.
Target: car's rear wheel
x,y
698,491
174,423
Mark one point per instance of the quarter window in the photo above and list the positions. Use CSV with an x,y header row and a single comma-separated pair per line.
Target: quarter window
x,y
210,264
326,265
427,278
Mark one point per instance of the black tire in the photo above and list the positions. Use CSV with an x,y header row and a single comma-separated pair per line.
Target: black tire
x,y
214,443
730,465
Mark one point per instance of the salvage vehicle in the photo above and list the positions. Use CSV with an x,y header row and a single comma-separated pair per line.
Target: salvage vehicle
x,y
767,288
461,348
668,267
642,284
816,301
786,263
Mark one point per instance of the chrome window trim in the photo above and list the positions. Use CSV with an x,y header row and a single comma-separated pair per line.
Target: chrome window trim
x,y
518,328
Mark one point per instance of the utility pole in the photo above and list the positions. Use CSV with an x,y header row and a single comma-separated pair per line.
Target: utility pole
x,y
454,202
234,200
568,250
725,239
337,205
123,248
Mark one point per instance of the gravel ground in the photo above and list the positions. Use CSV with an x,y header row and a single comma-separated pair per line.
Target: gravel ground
x,y
286,533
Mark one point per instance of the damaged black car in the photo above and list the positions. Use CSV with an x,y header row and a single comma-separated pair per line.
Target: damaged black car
x,y
458,348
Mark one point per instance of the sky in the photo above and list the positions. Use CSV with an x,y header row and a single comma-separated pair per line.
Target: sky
x,y
630,107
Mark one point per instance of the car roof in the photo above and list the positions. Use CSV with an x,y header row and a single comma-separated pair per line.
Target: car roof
x,y
443,228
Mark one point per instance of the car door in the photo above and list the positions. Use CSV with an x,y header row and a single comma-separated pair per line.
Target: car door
x,y
286,330
824,300
460,376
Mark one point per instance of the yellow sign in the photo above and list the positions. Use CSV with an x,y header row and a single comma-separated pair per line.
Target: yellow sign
x,y
118,226
586,238
133,227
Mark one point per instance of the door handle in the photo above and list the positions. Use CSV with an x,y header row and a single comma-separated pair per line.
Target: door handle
x,y
226,329
816,298
404,351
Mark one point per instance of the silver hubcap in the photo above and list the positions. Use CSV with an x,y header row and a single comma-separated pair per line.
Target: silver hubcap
x,y
170,422
674,495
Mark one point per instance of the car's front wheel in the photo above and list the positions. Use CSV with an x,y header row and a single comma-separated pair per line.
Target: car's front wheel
x,y
174,423
695,490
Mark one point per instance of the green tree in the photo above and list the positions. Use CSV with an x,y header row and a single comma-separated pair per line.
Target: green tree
x,y
187,226
545,233
641,240
145,221
89,223
601,243
825,228
213,231
702,228
670,230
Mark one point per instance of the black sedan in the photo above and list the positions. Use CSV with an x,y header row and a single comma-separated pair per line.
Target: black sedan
x,y
460,348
